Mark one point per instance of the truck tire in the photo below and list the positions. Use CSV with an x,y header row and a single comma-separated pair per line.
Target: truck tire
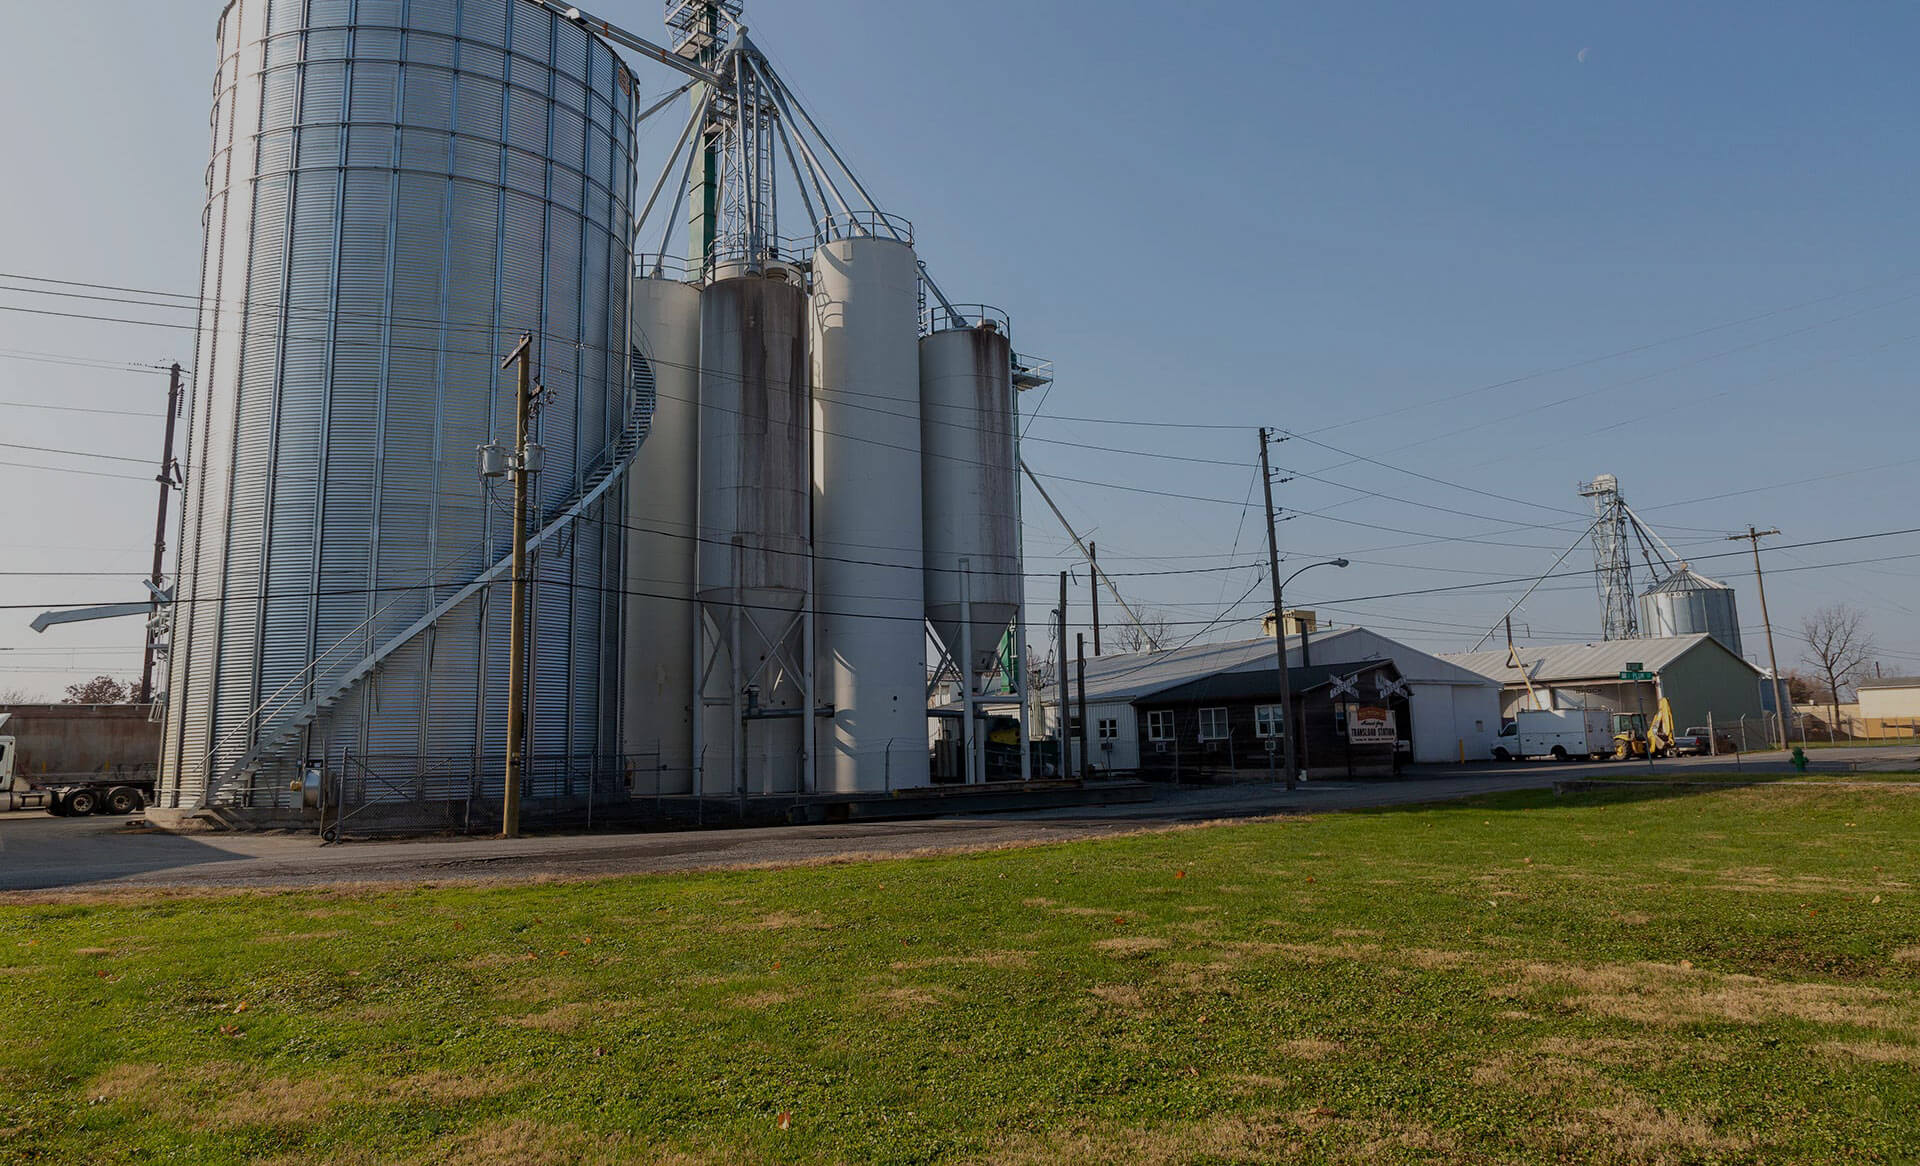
x,y
1502,755
124,799
1560,753
56,805
82,802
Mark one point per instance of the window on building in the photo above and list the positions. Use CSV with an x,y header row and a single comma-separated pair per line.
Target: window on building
x,y
1109,728
1213,724
1160,725
1267,721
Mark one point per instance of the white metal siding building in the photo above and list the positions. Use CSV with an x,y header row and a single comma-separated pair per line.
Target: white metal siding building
x,y
1455,712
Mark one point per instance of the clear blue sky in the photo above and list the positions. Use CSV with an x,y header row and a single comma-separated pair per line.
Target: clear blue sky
x,y
1337,219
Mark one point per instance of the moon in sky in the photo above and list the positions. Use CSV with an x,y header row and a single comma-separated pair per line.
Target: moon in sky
x,y
1581,56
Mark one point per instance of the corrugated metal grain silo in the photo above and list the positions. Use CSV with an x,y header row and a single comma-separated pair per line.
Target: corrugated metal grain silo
x,y
398,191
1686,603
867,528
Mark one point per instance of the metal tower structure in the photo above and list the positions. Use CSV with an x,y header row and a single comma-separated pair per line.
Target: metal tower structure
x,y
1612,560
702,30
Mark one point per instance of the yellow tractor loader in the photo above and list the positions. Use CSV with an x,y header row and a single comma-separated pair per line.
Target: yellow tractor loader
x,y
1633,737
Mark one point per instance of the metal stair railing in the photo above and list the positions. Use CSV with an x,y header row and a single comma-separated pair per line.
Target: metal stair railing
x,y
273,743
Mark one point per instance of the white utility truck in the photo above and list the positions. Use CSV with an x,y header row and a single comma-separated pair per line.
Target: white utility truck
x,y
1562,734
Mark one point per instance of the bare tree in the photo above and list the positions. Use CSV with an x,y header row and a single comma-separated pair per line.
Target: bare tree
x,y
1804,687
99,690
11,696
1839,648
1154,630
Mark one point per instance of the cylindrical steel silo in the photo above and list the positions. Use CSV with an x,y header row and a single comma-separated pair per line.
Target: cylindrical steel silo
x,y
968,484
755,510
398,191
659,591
1686,603
867,527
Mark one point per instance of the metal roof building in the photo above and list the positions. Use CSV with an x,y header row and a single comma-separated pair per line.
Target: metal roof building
x,y
1454,711
1697,674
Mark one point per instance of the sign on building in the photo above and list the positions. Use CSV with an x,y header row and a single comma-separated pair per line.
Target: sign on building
x,y
1370,724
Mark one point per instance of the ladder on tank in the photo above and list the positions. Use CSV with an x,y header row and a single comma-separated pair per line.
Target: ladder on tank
x,y
273,741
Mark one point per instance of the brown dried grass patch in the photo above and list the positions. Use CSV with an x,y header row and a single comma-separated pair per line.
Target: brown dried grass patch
x,y
525,1142
1275,1137
298,936
566,1017
761,1001
540,989
1130,946
1125,997
1633,1130
910,997
1879,1052
788,920
218,1095
1907,955
1669,995
982,959
444,1087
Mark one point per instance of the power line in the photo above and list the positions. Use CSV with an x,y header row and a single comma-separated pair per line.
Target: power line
x,y
1638,348
77,453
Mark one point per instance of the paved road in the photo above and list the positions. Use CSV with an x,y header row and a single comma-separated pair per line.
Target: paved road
x,y
38,852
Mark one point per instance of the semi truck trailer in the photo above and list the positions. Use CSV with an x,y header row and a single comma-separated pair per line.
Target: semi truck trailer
x,y
76,759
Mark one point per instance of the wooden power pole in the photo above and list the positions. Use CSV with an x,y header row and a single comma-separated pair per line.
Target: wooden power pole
x,y
1279,620
1093,590
168,476
1781,707
517,621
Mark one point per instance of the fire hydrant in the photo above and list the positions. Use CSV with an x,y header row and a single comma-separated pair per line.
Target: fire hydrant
x,y
1799,759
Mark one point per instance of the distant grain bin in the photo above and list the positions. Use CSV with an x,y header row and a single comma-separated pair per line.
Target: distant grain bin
x,y
1685,604
397,193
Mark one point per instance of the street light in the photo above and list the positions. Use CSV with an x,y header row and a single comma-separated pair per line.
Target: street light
x,y
1280,642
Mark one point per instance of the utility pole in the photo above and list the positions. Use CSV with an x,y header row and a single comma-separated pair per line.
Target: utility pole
x,y
1093,588
169,473
1060,677
517,621
1279,621
1780,707
1086,753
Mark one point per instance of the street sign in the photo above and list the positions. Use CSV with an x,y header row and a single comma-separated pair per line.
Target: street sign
x,y
1636,676
1636,666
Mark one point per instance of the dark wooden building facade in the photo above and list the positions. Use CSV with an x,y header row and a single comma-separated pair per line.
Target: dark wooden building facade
x,y
1219,726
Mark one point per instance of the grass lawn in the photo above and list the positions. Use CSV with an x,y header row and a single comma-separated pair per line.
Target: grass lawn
x,y
1630,976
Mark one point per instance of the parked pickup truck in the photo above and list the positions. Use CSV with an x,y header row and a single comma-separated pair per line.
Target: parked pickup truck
x,y
1698,742
1562,734
72,760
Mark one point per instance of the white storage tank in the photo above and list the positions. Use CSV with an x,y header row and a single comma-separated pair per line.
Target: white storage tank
x,y
755,510
968,502
867,529
661,533
1686,603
